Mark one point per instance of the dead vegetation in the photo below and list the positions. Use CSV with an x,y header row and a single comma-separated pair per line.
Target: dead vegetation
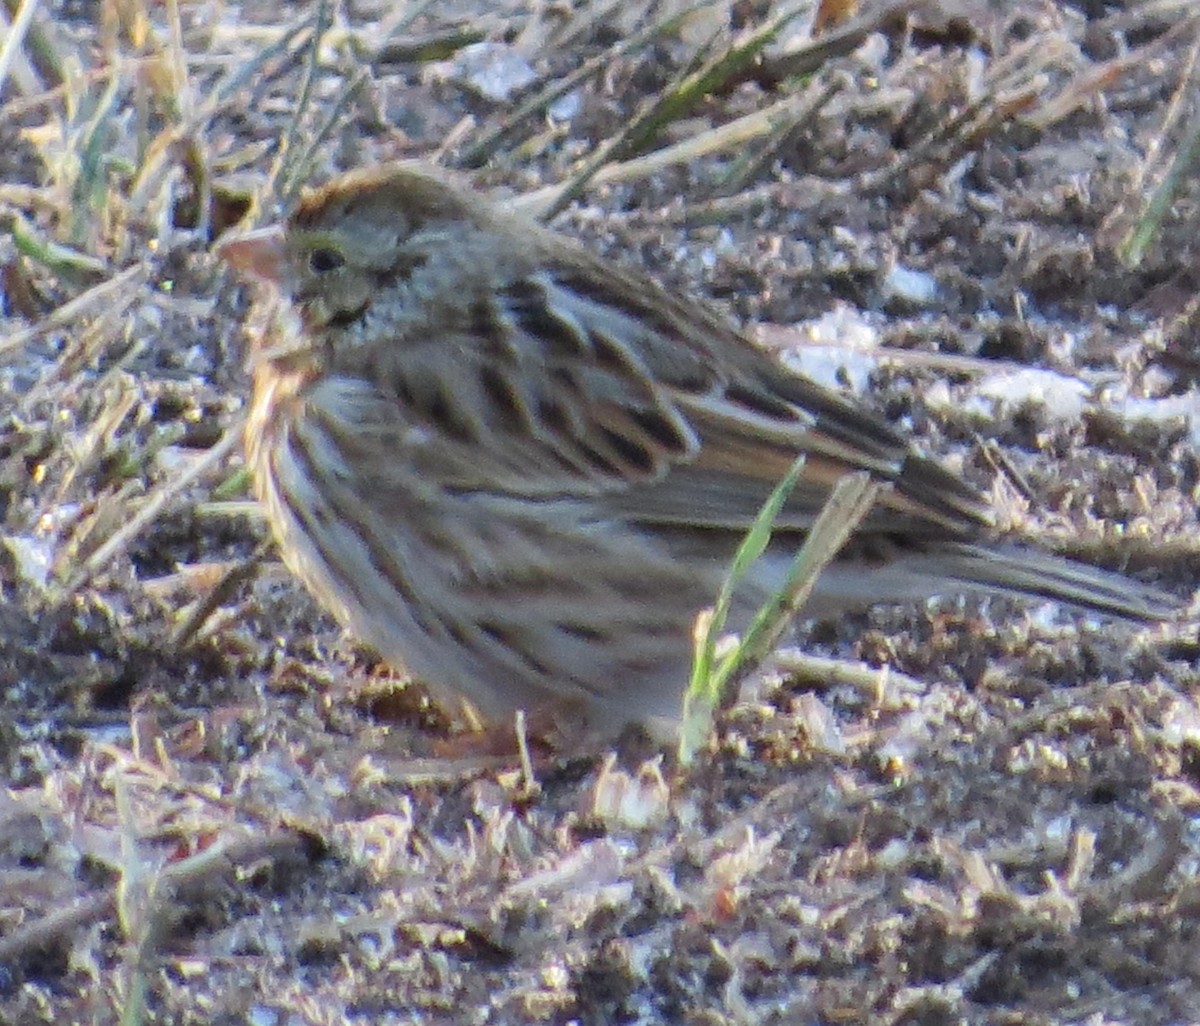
x,y
982,217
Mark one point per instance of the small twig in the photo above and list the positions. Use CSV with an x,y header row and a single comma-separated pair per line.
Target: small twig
x,y
874,682
219,859
1002,464
186,631
1085,86
529,784
42,933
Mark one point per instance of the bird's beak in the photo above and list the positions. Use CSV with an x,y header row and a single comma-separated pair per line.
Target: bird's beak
x,y
258,255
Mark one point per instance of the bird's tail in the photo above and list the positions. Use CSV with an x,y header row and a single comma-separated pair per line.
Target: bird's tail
x,y
949,568
1029,573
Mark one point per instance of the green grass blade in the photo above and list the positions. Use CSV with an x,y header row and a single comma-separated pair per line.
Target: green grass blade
x,y
849,502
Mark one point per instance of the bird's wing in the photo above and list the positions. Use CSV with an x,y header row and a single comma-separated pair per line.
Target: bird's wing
x,y
572,378
718,421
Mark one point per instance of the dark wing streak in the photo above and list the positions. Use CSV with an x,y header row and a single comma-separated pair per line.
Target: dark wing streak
x,y
570,412
728,374
753,417
569,379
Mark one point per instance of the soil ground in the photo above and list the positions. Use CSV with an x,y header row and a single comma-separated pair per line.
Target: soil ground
x,y
219,809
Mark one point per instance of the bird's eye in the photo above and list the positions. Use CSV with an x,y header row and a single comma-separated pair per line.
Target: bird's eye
x,y
324,259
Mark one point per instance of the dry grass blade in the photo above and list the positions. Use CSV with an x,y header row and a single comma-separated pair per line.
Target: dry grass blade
x,y
804,60
302,166
756,161
252,70
12,59
1133,248
154,505
117,289
778,120
721,71
723,210
287,170
1087,86
40,57
182,140
483,149
717,72
882,685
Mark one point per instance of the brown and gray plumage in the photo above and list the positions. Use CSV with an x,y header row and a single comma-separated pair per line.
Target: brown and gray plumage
x,y
521,471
